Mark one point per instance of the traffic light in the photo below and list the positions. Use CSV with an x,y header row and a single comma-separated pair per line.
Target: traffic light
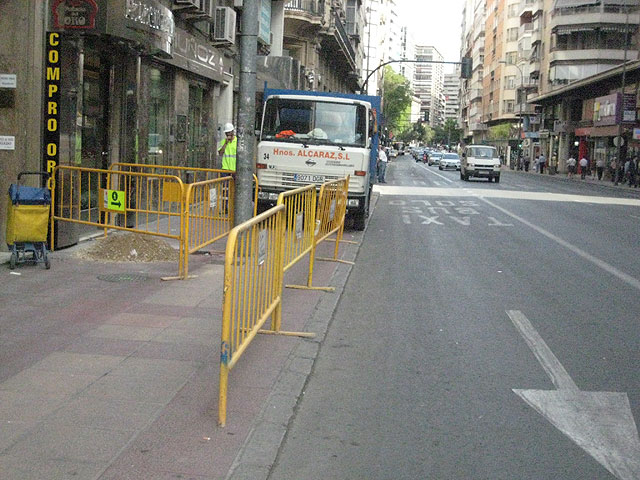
x,y
466,67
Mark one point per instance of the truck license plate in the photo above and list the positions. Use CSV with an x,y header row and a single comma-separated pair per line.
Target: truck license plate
x,y
305,177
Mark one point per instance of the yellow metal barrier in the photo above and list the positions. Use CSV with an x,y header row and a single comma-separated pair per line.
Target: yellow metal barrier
x,y
209,208
148,203
188,174
300,219
252,289
329,219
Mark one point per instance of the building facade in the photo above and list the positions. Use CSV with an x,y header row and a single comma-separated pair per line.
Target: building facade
x,y
429,83
150,81
451,92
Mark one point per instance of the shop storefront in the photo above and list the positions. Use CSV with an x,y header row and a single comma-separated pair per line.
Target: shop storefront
x,y
134,86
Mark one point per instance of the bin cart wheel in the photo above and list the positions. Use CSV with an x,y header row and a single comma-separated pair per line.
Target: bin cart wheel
x,y
12,260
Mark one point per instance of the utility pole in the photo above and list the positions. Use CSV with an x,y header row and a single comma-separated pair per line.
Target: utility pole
x,y
624,74
246,112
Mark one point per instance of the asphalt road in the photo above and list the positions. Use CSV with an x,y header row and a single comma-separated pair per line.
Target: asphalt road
x,y
477,336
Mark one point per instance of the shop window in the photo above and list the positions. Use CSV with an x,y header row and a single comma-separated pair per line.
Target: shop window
x,y
197,133
158,117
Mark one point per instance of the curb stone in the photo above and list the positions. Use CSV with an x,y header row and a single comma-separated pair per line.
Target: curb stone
x,y
259,452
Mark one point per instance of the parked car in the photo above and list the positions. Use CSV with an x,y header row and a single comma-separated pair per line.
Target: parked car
x,y
393,153
449,161
434,158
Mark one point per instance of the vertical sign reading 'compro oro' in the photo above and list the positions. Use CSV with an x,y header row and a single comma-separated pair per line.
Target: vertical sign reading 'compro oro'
x,y
52,103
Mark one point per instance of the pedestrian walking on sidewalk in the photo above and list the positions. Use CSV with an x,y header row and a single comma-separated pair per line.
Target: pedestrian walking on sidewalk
x,y
632,173
382,165
571,166
584,165
627,166
613,167
600,167
542,161
527,162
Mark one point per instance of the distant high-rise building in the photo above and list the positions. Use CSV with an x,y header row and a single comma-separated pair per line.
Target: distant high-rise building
x,y
429,83
451,95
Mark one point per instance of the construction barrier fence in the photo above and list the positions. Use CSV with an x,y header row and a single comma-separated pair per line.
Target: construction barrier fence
x,y
329,219
187,174
252,289
192,205
147,203
209,207
300,215
258,253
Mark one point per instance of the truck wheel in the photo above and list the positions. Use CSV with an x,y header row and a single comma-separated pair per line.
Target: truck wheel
x,y
359,221
496,179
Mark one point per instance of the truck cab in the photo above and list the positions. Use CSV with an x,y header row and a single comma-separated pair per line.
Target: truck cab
x,y
315,137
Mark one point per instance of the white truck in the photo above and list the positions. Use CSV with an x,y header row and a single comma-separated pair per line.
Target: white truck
x,y
313,137
480,161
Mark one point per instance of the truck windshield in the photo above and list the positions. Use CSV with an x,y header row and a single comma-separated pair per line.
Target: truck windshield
x,y
314,122
482,152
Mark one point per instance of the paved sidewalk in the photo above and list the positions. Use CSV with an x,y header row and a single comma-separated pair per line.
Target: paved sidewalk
x,y
108,372
590,179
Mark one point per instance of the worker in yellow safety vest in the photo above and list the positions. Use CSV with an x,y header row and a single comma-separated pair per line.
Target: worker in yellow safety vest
x,y
228,148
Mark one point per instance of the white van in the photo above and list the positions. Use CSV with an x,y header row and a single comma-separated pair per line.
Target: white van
x,y
480,161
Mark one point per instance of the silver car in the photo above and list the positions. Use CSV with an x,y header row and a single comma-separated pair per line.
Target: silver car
x,y
449,161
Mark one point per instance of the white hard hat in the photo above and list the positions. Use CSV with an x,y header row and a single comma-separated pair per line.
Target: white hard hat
x,y
228,127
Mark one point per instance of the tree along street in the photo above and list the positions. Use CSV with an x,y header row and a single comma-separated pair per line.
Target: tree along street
x,y
487,331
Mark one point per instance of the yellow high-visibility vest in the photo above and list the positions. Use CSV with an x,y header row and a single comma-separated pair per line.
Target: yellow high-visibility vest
x,y
229,155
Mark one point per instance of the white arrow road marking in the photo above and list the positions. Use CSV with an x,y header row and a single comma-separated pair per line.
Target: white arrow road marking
x,y
601,423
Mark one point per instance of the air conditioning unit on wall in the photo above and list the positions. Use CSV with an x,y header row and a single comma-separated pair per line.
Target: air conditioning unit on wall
x,y
224,29
188,3
208,7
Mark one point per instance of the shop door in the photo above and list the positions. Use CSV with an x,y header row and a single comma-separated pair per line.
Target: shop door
x,y
92,132
197,129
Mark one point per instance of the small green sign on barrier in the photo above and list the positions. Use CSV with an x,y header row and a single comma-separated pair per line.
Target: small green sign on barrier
x,y
114,200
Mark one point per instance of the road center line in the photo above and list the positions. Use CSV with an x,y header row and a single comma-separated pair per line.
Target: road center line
x,y
596,261
436,174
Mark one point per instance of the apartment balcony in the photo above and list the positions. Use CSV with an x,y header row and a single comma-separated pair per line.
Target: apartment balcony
x,y
530,83
475,93
591,56
524,55
478,127
524,109
531,6
336,40
525,29
573,18
353,30
536,36
303,14
534,66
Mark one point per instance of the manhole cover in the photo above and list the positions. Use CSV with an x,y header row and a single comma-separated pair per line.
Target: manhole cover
x,y
124,277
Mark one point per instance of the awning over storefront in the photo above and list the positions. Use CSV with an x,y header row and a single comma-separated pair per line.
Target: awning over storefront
x,y
608,131
583,132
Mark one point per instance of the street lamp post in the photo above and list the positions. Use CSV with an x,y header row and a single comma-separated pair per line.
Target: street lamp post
x,y
520,103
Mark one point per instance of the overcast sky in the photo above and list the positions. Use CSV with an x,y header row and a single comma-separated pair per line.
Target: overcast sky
x,y
437,23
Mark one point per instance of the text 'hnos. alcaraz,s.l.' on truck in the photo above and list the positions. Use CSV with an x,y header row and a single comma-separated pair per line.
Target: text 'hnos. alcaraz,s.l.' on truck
x,y
314,137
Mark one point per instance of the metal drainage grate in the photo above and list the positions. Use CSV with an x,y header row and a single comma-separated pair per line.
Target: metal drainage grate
x,y
124,277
